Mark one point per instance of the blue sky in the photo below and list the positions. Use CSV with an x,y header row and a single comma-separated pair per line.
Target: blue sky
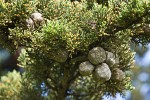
x,y
145,60
118,97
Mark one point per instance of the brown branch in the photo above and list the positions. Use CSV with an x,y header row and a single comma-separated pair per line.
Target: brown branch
x,y
78,59
50,86
49,76
72,79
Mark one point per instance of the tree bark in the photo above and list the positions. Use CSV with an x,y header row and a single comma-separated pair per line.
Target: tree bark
x,y
61,94
63,86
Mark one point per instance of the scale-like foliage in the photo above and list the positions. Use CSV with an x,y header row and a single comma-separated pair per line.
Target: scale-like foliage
x,y
10,86
54,47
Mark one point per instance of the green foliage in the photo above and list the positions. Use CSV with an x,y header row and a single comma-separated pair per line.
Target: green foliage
x,y
131,12
75,28
17,10
10,86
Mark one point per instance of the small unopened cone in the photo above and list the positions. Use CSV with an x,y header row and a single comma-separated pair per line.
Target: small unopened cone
x,y
102,73
86,68
111,59
118,74
60,56
37,17
97,55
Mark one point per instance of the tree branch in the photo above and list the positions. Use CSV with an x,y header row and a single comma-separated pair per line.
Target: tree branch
x,y
50,86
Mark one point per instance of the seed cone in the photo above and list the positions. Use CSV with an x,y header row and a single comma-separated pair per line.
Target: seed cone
x,y
37,17
111,59
97,55
102,73
60,56
118,74
86,68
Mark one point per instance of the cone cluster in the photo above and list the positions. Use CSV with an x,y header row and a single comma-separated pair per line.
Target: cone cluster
x,y
35,20
101,65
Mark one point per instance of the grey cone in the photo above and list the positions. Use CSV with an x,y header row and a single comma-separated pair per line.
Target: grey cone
x,y
97,55
118,74
102,73
86,68
111,59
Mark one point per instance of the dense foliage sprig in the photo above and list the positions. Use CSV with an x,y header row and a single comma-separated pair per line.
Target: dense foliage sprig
x,y
53,50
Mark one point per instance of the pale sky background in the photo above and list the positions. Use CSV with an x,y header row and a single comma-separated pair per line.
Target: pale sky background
x,y
145,61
